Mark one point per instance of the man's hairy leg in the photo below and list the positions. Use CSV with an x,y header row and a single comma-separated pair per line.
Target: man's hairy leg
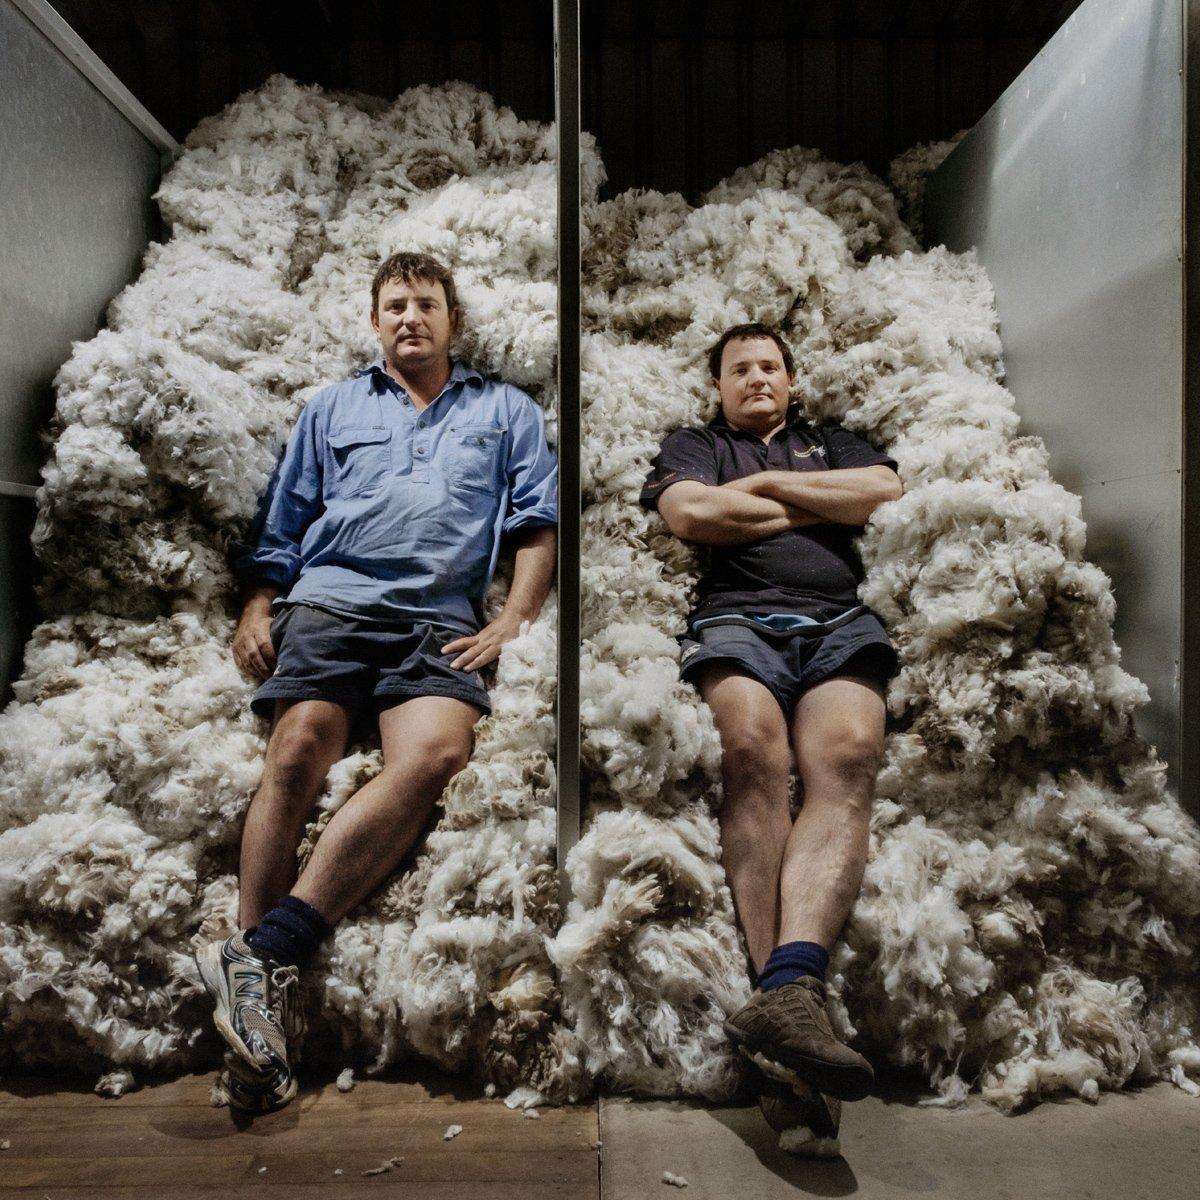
x,y
426,741
754,818
837,735
307,737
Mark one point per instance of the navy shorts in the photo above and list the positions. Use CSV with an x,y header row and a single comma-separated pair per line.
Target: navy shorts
x,y
363,665
791,664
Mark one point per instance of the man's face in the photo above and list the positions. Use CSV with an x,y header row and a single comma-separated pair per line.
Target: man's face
x,y
413,323
754,384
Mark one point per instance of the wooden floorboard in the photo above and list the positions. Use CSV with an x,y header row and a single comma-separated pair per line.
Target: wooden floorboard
x,y
169,1143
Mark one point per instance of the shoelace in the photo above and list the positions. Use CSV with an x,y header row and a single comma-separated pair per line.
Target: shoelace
x,y
285,988
282,977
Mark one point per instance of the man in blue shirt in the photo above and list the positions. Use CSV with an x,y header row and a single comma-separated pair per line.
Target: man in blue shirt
x,y
364,585
794,670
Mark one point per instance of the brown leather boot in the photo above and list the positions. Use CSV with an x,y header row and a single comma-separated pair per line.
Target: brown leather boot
x,y
786,1033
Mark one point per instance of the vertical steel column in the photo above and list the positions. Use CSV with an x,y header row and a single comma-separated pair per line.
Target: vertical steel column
x,y
1189,659
566,105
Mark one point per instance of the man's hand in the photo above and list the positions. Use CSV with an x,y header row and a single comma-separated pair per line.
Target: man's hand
x,y
483,647
253,650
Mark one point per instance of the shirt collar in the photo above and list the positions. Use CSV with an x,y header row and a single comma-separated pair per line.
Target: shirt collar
x,y
794,419
459,373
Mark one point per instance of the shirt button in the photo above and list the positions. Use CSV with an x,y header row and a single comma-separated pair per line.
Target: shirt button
x,y
420,449
405,399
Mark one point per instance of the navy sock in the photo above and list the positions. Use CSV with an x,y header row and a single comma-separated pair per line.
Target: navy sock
x,y
791,960
290,933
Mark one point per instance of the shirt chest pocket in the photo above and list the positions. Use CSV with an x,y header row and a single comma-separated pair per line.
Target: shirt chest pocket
x,y
362,459
475,457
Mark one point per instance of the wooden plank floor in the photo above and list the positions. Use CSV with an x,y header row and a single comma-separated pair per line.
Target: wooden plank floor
x,y
166,1142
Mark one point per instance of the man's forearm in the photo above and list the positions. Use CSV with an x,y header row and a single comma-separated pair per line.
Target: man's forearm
x,y
733,516
845,496
533,573
258,597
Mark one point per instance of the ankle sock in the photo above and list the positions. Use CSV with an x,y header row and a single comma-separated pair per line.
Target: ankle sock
x,y
290,933
792,960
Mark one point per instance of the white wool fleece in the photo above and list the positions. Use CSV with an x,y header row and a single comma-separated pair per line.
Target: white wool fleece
x,y
129,755
1028,922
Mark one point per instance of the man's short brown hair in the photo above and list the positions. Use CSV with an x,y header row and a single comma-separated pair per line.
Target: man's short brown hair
x,y
407,266
739,333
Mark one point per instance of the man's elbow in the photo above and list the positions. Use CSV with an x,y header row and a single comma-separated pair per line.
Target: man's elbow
x,y
681,523
890,488
680,512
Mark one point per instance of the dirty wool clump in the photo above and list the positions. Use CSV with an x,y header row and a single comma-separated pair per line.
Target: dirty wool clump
x,y
1029,916
129,756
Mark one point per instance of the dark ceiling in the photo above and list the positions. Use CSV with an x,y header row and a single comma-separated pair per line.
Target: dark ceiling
x,y
677,92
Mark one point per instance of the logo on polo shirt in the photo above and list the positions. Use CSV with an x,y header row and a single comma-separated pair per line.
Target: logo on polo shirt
x,y
810,452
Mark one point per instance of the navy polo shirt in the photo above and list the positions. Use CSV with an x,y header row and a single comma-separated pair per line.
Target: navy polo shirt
x,y
811,571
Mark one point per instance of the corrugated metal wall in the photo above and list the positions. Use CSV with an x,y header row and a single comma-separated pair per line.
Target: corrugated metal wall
x,y
680,95
678,92
184,61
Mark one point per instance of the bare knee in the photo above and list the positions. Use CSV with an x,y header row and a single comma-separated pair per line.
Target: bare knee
x,y
304,743
847,764
756,765
438,759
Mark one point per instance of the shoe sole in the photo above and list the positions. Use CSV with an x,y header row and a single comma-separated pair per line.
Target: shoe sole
x,y
246,1096
810,1111
208,960
844,1083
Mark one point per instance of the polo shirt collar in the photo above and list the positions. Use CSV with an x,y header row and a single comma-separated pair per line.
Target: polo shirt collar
x,y
459,373
794,419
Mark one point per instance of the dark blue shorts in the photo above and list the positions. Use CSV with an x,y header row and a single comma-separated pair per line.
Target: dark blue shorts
x,y
363,665
790,665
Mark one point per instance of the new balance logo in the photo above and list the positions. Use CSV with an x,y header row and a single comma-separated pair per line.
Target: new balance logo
x,y
250,990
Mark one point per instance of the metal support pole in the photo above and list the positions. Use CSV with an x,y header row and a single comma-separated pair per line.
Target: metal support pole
x,y
1189,664
566,102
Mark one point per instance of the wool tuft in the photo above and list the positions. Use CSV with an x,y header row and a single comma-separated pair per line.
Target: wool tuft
x,y
1029,918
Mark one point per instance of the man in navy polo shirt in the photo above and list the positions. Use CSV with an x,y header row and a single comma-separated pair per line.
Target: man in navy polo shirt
x,y
794,670
364,585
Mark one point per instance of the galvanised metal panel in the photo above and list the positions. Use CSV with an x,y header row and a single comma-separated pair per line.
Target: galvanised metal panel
x,y
75,219
1071,189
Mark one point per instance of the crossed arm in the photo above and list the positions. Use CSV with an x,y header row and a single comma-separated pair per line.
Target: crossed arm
x,y
759,506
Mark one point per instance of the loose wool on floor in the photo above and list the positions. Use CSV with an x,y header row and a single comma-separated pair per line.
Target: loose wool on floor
x,y
1031,910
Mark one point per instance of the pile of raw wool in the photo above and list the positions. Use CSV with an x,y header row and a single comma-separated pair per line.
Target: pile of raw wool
x,y
1029,917
129,755
1030,912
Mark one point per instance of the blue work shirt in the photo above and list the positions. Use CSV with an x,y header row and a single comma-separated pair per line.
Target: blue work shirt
x,y
382,512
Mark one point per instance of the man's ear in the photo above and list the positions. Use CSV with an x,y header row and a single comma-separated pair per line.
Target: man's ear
x,y
375,319
456,321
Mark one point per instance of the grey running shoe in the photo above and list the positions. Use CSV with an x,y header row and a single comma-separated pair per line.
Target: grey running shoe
x,y
254,1002
806,1121
786,1033
253,1091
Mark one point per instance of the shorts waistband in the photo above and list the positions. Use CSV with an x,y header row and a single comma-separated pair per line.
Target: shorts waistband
x,y
816,629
